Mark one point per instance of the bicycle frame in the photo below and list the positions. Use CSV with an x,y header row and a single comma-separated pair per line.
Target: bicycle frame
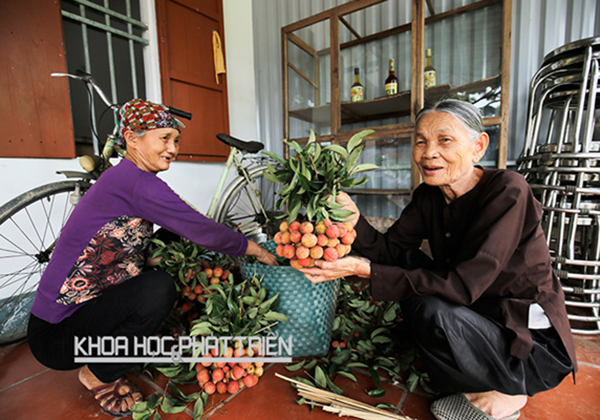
x,y
233,159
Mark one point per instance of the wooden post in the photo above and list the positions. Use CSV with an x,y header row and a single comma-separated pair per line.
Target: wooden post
x,y
505,83
417,82
336,97
284,75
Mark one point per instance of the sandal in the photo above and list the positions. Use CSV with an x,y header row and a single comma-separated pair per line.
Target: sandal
x,y
458,407
110,400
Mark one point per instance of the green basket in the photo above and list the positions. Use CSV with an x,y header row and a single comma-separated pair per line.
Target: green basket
x,y
310,308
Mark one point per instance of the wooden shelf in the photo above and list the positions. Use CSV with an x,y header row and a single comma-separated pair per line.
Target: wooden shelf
x,y
388,106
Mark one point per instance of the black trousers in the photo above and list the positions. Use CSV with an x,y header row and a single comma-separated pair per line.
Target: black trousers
x,y
466,352
134,308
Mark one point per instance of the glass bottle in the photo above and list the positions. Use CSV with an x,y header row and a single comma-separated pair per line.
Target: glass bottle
x,y
391,83
429,70
357,88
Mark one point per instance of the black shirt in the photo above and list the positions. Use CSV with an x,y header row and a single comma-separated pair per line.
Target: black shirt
x,y
489,251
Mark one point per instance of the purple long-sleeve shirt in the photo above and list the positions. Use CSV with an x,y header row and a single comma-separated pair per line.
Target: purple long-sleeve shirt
x,y
129,193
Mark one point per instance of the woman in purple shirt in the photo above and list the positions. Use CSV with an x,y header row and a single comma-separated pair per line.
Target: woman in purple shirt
x,y
487,312
95,284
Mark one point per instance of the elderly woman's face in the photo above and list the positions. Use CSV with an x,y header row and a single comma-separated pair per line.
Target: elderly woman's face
x,y
445,151
155,150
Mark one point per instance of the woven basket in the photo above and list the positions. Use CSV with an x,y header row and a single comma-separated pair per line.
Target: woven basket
x,y
310,308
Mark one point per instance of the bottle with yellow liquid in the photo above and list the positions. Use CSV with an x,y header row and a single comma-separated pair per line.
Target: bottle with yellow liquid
x,y
357,92
429,70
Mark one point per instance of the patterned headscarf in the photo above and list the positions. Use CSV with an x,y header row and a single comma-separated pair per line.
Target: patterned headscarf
x,y
140,115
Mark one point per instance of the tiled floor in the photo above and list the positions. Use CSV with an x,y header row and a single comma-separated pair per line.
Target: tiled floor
x,y
30,391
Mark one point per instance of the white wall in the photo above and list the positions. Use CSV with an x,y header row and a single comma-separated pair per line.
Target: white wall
x,y
194,181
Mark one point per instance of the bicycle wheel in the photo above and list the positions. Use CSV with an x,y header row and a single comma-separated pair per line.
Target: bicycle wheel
x,y
239,206
29,227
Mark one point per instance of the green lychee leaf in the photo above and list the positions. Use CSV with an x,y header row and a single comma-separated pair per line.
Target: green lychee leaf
x,y
357,138
336,148
353,158
320,378
275,157
293,145
363,168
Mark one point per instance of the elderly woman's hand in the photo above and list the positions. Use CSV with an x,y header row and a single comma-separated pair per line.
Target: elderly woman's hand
x,y
345,200
260,253
349,266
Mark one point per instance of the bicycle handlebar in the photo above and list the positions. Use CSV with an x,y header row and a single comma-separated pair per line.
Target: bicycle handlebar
x,y
87,78
180,113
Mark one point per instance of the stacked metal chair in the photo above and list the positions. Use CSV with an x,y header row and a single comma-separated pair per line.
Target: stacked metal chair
x,y
560,160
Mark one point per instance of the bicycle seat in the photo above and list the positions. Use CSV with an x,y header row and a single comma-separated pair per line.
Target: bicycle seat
x,y
245,146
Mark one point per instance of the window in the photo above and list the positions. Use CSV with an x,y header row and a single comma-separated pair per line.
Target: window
x,y
105,39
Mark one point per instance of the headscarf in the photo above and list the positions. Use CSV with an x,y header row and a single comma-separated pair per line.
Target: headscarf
x,y
141,115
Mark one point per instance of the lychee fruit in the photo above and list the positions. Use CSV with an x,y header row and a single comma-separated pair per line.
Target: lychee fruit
x,y
203,376
304,262
309,240
348,238
316,252
217,375
306,227
322,240
332,232
215,280
221,388
327,222
289,251
296,264
295,236
187,306
218,271
208,272
320,228
330,254
209,388
283,226
279,250
332,243
349,226
233,387
342,228
250,380
302,252
237,373
341,250
294,226
285,238
277,238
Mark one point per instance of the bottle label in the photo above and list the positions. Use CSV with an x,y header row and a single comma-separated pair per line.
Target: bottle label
x,y
356,93
429,78
391,88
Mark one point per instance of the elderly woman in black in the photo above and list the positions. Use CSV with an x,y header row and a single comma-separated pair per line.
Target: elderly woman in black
x,y
487,312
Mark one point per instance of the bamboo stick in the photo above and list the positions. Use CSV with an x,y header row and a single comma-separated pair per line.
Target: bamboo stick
x,y
341,405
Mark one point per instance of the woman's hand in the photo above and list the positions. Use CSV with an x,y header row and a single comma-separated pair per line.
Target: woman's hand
x,y
344,267
345,200
260,253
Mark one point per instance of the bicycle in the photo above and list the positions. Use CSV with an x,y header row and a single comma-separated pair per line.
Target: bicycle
x,y
31,222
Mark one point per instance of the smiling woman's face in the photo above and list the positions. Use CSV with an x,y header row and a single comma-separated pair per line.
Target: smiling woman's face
x,y
445,151
155,150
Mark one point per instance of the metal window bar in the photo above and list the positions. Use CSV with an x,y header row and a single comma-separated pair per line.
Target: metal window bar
x,y
110,31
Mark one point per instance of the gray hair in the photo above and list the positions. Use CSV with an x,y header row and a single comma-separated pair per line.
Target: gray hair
x,y
468,114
